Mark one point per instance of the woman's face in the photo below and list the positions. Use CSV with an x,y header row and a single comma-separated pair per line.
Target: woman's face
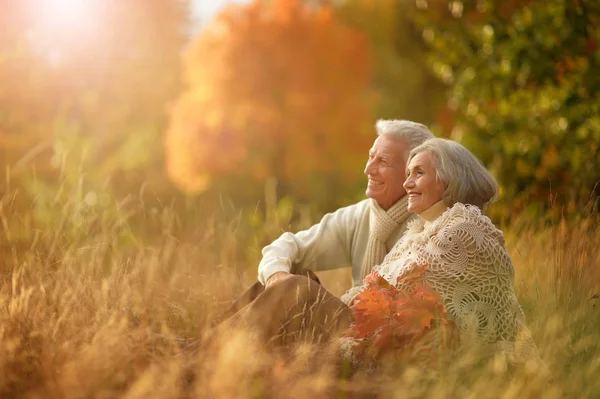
x,y
422,186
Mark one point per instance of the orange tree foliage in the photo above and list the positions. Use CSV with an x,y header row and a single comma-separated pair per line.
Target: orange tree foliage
x,y
275,89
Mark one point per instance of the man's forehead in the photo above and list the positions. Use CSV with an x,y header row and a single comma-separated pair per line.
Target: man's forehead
x,y
388,145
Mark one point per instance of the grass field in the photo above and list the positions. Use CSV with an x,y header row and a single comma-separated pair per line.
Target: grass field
x,y
92,307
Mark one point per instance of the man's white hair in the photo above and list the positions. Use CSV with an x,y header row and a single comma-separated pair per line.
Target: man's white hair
x,y
467,180
412,133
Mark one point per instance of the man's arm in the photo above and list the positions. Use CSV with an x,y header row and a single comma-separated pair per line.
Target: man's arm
x,y
325,246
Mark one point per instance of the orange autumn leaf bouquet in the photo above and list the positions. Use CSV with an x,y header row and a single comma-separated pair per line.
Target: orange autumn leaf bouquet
x,y
402,324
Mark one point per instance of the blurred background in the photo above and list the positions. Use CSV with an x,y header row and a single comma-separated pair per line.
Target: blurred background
x,y
150,149
267,107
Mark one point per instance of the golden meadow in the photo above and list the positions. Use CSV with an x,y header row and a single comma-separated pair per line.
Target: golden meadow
x,y
110,276
92,309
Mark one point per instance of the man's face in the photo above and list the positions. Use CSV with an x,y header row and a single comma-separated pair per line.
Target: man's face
x,y
386,171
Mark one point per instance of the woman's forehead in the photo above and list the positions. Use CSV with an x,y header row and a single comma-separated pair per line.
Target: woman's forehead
x,y
424,158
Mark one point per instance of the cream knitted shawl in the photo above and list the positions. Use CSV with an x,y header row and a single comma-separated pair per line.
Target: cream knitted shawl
x,y
469,266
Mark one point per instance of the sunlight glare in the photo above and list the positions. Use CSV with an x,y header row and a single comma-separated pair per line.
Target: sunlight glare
x,y
58,26
65,16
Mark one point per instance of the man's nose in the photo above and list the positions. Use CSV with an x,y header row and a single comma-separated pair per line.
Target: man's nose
x,y
369,168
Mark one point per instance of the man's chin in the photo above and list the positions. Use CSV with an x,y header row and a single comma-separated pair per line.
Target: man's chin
x,y
371,196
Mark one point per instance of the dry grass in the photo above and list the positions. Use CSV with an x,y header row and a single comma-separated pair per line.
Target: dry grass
x,y
89,309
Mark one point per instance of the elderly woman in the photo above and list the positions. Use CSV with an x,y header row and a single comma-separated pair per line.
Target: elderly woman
x,y
449,272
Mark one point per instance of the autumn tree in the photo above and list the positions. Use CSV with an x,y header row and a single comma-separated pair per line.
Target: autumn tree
x,y
525,85
275,90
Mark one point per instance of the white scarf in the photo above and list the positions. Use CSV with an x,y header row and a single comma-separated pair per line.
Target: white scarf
x,y
381,224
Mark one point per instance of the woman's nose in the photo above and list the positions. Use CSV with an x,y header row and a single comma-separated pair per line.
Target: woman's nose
x,y
409,182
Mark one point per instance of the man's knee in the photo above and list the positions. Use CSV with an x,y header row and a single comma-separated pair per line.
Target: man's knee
x,y
295,289
293,281
305,272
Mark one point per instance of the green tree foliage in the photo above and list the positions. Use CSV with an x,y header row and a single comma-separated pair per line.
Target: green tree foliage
x,y
525,86
404,88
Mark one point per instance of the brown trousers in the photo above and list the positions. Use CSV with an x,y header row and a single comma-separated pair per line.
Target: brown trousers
x,y
295,310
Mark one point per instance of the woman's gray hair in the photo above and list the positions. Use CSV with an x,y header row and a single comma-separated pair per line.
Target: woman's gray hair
x,y
467,180
412,133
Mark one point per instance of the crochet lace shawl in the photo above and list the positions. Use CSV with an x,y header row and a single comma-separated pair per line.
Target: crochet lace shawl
x,y
469,266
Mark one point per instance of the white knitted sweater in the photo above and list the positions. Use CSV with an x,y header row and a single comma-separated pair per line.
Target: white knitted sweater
x,y
469,266
339,240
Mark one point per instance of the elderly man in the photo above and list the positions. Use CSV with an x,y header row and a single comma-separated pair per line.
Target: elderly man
x,y
358,235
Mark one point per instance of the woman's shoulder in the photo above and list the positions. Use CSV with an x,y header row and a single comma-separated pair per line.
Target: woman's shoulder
x,y
460,213
466,212
468,219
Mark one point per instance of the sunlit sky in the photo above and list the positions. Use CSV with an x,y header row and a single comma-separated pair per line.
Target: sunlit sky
x,y
204,10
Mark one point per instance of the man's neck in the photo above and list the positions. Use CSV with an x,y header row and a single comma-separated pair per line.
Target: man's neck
x,y
404,199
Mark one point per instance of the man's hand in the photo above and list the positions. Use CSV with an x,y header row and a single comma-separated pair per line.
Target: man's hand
x,y
277,277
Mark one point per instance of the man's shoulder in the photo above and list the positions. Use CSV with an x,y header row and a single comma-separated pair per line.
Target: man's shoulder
x,y
354,212
356,209
364,204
